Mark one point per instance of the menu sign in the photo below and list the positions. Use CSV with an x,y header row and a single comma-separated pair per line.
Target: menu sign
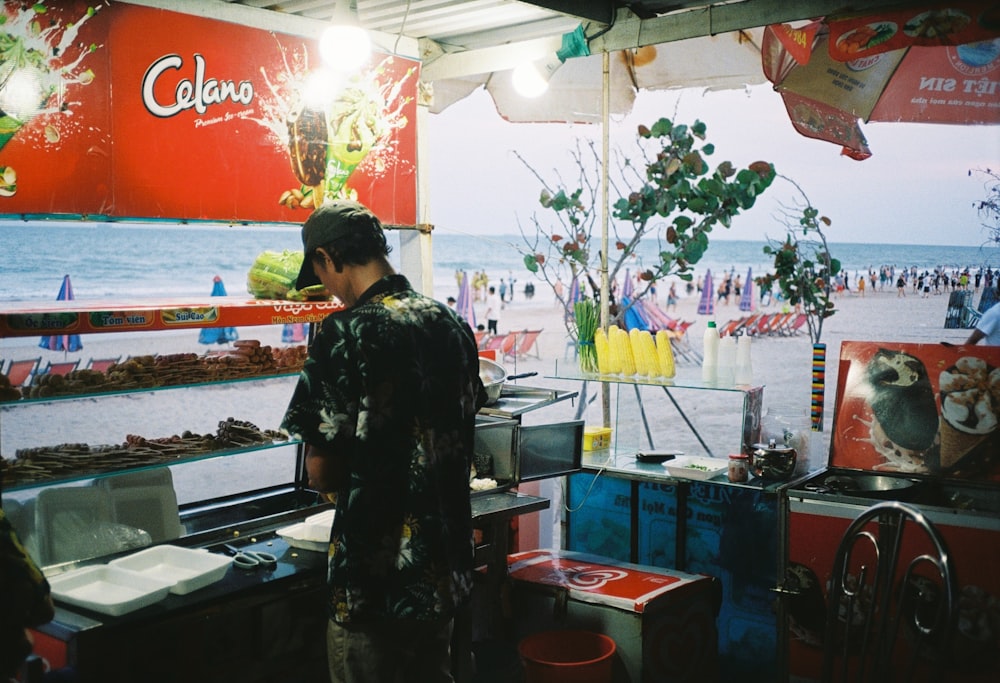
x,y
135,112
918,408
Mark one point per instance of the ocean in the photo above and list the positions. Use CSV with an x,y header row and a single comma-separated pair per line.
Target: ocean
x,y
136,260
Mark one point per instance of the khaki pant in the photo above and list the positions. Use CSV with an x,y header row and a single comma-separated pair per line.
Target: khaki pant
x,y
398,651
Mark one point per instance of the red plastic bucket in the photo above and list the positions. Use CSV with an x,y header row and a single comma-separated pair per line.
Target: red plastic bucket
x,y
567,657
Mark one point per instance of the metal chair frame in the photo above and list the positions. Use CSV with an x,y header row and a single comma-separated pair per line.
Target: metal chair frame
x,y
879,602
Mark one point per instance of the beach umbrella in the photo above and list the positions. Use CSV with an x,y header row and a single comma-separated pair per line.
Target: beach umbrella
x,y
706,306
628,288
909,65
293,333
218,335
746,298
464,305
62,342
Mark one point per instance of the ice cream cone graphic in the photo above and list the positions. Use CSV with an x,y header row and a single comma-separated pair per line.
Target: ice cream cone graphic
x,y
969,392
956,444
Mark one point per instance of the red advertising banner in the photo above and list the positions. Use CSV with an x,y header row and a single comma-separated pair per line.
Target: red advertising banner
x,y
952,23
919,408
134,112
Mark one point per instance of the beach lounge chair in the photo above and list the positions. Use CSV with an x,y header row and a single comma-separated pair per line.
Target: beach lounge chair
x,y
526,345
60,368
509,345
102,364
481,336
795,324
20,371
732,326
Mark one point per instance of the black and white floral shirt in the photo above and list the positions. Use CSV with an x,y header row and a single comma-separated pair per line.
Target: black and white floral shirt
x,y
392,385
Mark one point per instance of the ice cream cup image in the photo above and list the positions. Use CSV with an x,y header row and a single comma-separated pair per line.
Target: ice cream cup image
x,y
970,397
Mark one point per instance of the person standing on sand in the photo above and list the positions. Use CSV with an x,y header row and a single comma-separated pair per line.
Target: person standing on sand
x,y
493,305
386,405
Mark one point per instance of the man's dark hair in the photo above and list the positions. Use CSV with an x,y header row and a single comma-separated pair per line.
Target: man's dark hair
x,y
358,247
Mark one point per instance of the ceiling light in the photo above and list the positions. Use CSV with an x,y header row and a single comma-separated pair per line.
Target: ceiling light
x,y
531,79
344,45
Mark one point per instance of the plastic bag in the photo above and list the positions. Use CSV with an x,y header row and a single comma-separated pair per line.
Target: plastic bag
x,y
273,274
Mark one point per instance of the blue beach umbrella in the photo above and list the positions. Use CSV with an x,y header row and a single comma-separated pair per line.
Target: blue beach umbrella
x,y
747,302
464,305
218,335
574,295
628,287
707,304
62,342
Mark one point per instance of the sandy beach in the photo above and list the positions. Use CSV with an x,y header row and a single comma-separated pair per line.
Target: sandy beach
x,y
781,364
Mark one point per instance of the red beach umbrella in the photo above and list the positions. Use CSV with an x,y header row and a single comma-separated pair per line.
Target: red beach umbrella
x,y
915,65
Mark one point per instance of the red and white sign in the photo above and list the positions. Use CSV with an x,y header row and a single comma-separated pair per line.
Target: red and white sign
x,y
137,112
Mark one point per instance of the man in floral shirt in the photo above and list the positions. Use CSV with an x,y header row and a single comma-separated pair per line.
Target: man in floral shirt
x,y
386,405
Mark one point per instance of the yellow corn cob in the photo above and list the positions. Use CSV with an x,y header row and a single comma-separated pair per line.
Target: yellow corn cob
x,y
635,341
647,348
615,351
603,351
666,354
628,359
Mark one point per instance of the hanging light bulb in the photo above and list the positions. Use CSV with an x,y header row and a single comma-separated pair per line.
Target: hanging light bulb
x,y
531,79
344,45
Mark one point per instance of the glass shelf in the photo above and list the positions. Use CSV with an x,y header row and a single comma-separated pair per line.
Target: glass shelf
x,y
24,485
687,378
143,390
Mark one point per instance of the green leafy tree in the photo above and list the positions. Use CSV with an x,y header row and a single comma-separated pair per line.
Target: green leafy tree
x,y
803,266
668,193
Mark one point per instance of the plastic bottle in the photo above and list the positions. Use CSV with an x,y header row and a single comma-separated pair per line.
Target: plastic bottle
x,y
710,353
726,372
744,364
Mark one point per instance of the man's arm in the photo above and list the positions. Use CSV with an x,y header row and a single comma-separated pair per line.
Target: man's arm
x,y
974,338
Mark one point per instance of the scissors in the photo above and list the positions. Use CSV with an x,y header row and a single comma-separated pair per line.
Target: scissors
x,y
251,559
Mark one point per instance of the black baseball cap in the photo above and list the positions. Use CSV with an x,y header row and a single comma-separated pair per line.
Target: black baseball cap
x,y
326,225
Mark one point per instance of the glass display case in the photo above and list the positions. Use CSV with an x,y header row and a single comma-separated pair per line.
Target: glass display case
x,y
167,440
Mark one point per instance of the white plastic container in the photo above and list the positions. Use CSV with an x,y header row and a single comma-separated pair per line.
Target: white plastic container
x,y
726,373
710,353
108,590
185,569
744,362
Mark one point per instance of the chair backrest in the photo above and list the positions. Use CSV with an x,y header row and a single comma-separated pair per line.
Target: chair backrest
x,y
20,371
102,364
892,603
61,367
527,343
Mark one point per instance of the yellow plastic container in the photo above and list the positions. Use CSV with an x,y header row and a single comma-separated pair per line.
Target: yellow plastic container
x,y
596,438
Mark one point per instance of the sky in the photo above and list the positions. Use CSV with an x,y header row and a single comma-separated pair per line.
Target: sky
x,y
914,189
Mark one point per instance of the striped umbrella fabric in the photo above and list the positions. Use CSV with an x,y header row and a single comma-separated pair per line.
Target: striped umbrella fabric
x,y
62,342
706,306
463,306
746,298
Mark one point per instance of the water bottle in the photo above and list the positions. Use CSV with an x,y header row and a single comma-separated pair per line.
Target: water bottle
x,y
744,365
727,361
710,353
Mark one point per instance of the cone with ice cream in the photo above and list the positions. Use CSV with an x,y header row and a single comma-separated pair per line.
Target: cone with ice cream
x,y
970,396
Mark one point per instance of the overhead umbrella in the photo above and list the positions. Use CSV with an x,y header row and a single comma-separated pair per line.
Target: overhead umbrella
x,y
746,298
572,297
62,342
218,335
915,65
464,305
706,306
724,61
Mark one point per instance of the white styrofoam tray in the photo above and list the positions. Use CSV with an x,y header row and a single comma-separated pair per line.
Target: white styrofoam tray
x,y
311,534
108,590
694,467
186,570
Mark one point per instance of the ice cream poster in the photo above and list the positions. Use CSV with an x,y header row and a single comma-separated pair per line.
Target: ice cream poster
x,y
123,111
918,408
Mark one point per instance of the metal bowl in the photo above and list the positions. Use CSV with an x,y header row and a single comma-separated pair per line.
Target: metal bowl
x,y
493,376
772,462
